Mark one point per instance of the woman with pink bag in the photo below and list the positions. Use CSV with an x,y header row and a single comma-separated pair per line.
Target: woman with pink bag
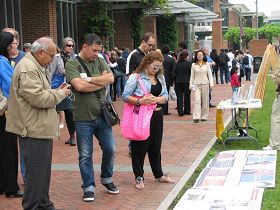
x,y
147,86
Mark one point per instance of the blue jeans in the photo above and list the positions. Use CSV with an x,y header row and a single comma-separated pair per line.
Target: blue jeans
x,y
121,84
103,133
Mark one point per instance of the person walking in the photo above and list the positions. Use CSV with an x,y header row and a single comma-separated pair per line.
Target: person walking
x,y
151,73
235,84
182,73
201,79
214,56
57,74
8,140
32,116
168,66
89,75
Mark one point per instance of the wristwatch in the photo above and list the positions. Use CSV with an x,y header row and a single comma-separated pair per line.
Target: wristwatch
x,y
138,102
87,79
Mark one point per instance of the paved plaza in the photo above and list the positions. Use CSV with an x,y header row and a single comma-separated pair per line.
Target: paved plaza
x,y
183,144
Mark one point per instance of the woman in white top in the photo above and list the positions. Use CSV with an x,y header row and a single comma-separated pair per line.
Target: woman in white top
x,y
201,78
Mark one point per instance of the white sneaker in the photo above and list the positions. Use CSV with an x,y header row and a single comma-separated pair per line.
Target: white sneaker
x,y
267,148
61,125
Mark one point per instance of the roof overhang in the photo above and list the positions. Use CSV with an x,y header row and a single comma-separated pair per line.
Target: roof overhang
x,y
192,13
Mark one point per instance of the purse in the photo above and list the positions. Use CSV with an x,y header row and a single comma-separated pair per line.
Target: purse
x,y
108,110
3,103
135,124
172,94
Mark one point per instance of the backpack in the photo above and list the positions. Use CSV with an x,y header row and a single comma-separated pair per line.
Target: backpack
x,y
224,59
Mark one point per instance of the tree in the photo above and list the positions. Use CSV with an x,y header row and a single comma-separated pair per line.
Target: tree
x,y
233,34
270,31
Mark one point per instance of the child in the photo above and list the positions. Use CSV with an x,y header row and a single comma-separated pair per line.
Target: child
x,y
235,84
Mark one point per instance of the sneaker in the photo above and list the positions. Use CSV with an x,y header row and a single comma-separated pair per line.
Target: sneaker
x,y
61,125
68,141
268,148
88,196
111,188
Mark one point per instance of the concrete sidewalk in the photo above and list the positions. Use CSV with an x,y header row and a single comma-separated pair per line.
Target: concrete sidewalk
x,y
184,145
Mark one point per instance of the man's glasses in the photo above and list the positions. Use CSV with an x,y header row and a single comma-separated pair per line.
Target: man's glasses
x,y
150,45
51,56
70,45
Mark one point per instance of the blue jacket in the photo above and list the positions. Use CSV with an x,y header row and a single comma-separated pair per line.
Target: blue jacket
x,y
132,86
6,73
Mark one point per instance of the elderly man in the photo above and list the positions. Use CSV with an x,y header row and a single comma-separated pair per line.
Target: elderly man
x,y
89,75
32,116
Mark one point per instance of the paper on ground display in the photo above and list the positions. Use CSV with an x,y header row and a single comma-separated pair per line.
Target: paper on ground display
x,y
221,199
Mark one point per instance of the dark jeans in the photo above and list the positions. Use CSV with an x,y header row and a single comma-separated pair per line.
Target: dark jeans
x,y
215,73
69,121
248,73
165,106
8,159
183,98
152,145
224,73
37,155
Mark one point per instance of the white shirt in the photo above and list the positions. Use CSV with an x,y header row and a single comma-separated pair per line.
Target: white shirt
x,y
231,57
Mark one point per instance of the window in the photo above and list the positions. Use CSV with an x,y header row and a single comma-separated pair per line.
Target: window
x,y
66,20
10,11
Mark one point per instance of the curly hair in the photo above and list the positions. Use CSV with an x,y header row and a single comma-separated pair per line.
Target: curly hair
x,y
149,59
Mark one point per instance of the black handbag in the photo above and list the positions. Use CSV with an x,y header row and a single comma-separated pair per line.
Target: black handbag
x,y
108,110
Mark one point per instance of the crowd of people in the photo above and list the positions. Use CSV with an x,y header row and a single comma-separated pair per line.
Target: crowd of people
x,y
46,86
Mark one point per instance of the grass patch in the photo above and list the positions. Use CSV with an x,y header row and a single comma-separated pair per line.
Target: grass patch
x,y
259,119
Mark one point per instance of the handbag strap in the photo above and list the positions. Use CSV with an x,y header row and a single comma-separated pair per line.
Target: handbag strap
x,y
142,85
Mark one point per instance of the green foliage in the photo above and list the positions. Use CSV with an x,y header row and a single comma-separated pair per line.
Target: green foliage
x,y
97,19
137,25
151,3
270,31
167,30
233,34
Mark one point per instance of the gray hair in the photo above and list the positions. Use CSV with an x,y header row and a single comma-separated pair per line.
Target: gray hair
x,y
66,40
42,43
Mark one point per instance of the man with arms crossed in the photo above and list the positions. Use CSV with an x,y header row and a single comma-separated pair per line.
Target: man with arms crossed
x,y
33,117
87,114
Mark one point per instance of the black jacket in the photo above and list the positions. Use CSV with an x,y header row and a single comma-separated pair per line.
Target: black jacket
x,y
182,72
168,66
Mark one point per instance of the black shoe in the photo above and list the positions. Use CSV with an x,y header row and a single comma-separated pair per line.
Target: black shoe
x,y
211,105
88,196
68,141
17,194
111,188
188,113
203,119
196,120
72,142
167,113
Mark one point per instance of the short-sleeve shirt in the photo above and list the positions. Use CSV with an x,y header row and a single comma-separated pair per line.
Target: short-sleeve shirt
x,y
86,106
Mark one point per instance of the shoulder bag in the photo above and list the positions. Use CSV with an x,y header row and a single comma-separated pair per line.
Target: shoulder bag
x,y
135,124
108,110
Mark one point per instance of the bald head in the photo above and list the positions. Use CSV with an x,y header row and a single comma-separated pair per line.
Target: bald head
x,y
43,50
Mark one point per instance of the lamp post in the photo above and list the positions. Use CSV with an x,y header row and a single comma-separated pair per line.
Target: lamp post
x,y
257,20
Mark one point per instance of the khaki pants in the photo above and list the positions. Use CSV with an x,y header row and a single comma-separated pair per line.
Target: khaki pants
x,y
274,138
201,102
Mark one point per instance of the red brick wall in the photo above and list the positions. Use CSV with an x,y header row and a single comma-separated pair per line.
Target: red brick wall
x,y
38,19
233,18
150,25
181,35
258,47
122,36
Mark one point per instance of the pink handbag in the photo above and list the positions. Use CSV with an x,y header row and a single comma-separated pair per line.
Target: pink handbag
x,y
135,124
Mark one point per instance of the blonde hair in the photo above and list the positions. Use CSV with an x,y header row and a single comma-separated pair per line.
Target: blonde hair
x,y
149,58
